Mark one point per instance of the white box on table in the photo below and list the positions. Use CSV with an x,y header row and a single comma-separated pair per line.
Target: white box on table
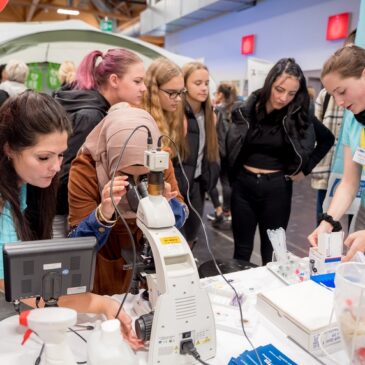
x,y
302,311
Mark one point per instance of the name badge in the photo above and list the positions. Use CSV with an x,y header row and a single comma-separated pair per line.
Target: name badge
x,y
359,156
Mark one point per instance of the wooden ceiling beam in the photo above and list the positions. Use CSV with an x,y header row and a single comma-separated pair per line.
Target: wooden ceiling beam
x,y
32,9
119,17
158,41
129,23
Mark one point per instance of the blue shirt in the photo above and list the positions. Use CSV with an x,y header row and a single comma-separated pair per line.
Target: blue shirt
x,y
7,228
351,133
351,138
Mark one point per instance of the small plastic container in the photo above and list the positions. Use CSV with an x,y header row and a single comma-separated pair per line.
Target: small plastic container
x,y
349,303
107,347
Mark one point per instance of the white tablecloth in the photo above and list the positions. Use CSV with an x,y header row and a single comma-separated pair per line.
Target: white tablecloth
x,y
228,344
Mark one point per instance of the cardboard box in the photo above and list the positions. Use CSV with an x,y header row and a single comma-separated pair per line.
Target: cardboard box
x,y
303,311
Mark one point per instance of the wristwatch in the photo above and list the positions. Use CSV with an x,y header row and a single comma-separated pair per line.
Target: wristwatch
x,y
328,218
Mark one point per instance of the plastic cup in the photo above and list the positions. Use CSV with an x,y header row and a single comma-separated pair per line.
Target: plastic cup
x,y
349,304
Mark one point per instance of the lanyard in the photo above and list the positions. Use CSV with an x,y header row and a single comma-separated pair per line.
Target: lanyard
x,y
362,138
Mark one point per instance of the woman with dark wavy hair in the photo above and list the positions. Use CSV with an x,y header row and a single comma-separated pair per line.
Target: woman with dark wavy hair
x,y
273,141
33,138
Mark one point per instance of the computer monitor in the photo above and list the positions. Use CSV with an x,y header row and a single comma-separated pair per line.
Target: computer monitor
x,y
49,268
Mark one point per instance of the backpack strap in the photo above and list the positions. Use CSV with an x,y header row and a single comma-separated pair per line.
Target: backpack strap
x,y
325,104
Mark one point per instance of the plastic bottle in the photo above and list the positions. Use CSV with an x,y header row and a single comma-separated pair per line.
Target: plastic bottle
x,y
107,347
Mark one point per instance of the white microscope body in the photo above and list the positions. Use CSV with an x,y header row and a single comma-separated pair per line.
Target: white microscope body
x,y
181,308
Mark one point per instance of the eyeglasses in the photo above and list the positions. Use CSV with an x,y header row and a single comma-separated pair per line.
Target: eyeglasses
x,y
173,94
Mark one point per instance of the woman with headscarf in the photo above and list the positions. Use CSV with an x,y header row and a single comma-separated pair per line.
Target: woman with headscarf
x,y
93,168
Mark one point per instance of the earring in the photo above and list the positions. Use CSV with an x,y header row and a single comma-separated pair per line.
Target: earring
x,y
9,158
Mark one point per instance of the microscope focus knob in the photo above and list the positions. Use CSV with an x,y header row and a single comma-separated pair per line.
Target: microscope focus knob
x,y
143,326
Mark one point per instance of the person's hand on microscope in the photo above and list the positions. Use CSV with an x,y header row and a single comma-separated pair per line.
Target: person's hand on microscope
x,y
126,324
167,193
119,189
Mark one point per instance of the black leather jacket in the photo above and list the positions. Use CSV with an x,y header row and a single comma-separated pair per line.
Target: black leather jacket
x,y
86,108
307,150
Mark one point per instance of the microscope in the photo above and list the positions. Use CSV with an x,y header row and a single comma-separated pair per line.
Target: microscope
x,y
181,315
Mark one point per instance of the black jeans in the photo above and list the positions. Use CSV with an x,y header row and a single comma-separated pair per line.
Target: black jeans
x,y
193,224
226,190
258,199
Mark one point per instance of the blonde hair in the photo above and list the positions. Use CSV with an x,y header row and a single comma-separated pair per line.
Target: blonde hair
x,y
67,72
348,61
210,128
311,92
159,73
16,71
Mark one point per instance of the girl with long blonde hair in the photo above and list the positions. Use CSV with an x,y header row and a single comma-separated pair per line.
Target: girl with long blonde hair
x,y
165,86
201,160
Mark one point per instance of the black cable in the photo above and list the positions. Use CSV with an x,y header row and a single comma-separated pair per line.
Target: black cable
x,y
38,359
200,360
187,347
77,334
37,300
195,354
84,327
16,304
149,143
210,251
82,338
159,143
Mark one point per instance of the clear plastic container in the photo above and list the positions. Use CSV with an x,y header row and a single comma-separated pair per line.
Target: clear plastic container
x,y
107,347
290,268
349,304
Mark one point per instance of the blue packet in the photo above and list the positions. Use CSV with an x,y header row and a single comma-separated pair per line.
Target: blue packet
x,y
269,355
327,280
270,352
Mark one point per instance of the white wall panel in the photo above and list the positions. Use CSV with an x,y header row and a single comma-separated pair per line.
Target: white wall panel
x,y
283,28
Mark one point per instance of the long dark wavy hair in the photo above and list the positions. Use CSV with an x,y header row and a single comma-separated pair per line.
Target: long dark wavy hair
x,y
300,103
23,119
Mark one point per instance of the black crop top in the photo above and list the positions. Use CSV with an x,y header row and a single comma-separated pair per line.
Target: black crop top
x,y
265,145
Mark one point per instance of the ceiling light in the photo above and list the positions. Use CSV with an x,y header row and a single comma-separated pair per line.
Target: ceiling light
x,y
68,11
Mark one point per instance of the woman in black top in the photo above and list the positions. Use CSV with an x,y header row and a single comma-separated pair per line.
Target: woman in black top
x,y
273,141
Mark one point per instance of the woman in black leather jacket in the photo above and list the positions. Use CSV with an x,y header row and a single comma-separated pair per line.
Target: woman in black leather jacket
x,y
272,142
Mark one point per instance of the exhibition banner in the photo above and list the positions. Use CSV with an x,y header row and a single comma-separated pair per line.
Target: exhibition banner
x,y
257,71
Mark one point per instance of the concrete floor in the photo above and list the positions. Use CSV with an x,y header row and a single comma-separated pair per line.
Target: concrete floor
x,y
302,222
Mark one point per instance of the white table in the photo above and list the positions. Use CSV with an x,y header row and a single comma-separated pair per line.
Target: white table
x,y
228,344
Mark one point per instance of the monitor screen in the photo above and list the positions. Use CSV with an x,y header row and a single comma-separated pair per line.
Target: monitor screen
x,y
49,268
